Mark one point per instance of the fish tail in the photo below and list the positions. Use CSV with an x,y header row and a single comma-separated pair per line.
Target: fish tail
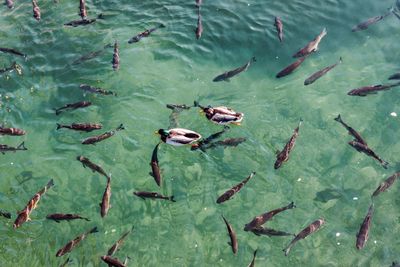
x,y
300,123
287,250
338,118
385,164
93,230
86,219
58,111
161,25
58,126
291,205
100,16
324,31
50,183
120,127
22,146
172,198
340,60
253,59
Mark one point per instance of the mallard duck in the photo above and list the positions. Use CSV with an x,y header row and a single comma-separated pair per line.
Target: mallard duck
x,y
178,136
221,115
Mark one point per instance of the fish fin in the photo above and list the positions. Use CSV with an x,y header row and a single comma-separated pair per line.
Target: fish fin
x,y
229,243
58,126
338,118
22,146
121,127
151,174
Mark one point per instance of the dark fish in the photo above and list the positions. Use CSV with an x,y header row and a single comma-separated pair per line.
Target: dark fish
x,y
155,168
362,235
311,46
177,106
269,232
6,148
73,243
117,244
229,194
199,2
289,69
5,214
364,91
199,29
229,142
14,66
254,259
351,131
146,33
96,90
12,51
36,10
364,25
82,9
94,167
233,243
263,218
229,74
279,28
23,216
105,202
66,262
115,60
366,150
81,104
65,217
80,22
11,131
112,261
95,139
86,127
176,110
320,73
304,233
386,184
206,143
153,195
10,3
283,156
395,76
91,55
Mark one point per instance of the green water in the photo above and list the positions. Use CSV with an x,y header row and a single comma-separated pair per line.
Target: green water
x,y
325,177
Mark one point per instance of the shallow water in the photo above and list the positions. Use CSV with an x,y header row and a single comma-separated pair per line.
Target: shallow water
x,y
325,177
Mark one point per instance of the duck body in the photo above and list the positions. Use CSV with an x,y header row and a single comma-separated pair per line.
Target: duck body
x,y
222,115
178,136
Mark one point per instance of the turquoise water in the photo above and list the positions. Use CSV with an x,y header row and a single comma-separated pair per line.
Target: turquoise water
x,y
325,177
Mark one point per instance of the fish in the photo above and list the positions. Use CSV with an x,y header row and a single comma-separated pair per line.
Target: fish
x,y
373,89
311,46
91,55
289,69
178,106
23,216
73,106
269,232
351,131
96,90
369,152
395,76
155,168
57,217
85,127
283,156
73,243
229,142
263,218
254,259
83,22
204,144
36,10
199,29
229,74
146,33
66,262
279,28
6,148
94,167
320,73
153,195
12,51
10,3
111,251
11,131
98,138
362,235
229,194
386,184
199,2
313,227
112,261
233,243
176,109
115,60
105,202
82,9
365,24
5,214
14,66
